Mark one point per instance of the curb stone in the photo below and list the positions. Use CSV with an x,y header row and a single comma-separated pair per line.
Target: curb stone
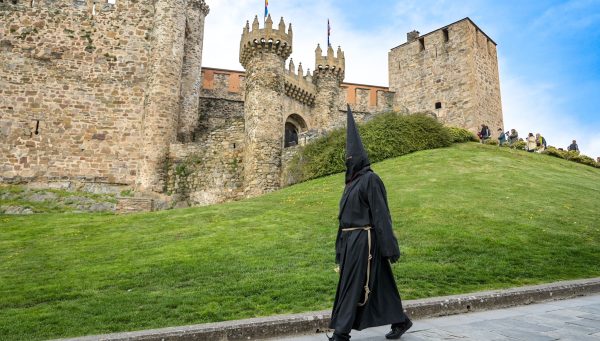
x,y
285,325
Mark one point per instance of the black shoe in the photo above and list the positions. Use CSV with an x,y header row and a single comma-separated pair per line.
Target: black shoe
x,y
338,337
397,331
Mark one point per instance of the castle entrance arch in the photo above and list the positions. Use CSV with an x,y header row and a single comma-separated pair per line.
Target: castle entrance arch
x,y
294,125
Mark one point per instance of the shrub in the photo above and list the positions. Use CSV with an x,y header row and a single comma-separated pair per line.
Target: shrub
x,y
385,136
520,145
552,151
571,155
584,159
460,135
491,142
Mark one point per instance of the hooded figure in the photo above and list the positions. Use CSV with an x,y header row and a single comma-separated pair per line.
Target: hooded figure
x,y
366,295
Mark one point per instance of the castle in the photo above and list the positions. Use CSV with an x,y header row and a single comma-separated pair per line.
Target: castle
x,y
110,95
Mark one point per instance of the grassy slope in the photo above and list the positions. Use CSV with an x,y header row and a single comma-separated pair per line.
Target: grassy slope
x,y
468,218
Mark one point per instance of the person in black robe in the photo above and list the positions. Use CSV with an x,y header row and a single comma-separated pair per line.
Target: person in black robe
x,y
366,295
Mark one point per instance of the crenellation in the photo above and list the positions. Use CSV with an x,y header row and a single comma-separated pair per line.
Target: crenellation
x,y
266,40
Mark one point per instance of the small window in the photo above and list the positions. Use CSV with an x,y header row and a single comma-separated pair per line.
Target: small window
x,y
446,36
438,105
37,127
421,44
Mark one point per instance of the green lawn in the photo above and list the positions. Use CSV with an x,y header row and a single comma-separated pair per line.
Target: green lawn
x,y
468,218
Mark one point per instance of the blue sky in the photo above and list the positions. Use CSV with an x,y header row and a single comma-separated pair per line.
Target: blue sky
x,y
549,51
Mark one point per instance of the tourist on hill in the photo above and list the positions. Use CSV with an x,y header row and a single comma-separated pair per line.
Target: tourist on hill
x,y
531,144
513,137
365,247
573,147
540,142
484,134
501,137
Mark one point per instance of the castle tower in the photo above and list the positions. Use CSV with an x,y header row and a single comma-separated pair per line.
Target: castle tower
x,y
263,53
328,74
451,72
191,81
159,123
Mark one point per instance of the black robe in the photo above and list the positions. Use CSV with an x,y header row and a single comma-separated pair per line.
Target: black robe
x,y
363,203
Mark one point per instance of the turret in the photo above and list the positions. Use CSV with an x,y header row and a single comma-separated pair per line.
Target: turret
x,y
263,53
267,40
328,74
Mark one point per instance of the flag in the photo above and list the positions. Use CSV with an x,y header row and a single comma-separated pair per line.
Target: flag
x,y
328,32
266,8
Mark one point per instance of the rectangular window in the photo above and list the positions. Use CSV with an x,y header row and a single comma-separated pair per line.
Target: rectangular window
x,y
421,44
446,35
438,105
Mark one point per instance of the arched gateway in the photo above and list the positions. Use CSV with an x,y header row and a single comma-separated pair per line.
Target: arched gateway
x,y
294,125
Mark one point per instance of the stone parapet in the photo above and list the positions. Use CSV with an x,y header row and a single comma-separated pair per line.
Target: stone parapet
x,y
258,40
329,63
299,86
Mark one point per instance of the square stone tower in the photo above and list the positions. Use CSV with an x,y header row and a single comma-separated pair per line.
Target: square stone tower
x,y
451,72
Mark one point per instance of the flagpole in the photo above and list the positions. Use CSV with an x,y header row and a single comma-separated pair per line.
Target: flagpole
x,y
266,11
328,33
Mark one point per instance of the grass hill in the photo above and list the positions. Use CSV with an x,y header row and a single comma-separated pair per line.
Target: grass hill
x,y
469,217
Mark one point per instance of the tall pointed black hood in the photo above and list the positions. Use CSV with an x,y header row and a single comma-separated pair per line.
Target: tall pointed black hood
x,y
357,161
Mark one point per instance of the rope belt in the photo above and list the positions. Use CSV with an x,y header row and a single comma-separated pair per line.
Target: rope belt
x,y
367,290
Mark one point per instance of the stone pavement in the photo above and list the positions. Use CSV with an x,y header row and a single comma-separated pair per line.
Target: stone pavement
x,y
575,319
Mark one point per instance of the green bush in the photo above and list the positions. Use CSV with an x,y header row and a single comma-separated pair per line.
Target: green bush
x,y
584,159
385,136
552,151
571,155
460,135
520,145
491,142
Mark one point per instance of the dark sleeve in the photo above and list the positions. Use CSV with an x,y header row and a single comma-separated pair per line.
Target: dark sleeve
x,y
381,219
338,241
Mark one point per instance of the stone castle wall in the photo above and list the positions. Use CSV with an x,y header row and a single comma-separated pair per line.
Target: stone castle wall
x,y
114,94
210,169
72,86
488,106
450,73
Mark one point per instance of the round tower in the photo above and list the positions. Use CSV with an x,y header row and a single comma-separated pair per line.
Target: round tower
x,y
191,80
263,53
161,105
328,75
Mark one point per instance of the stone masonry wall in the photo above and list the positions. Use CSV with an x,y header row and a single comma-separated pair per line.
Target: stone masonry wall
x,y
191,80
210,170
450,69
488,106
72,89
159,125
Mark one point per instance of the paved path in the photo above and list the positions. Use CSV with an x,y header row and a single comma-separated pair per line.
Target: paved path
x,y
573,320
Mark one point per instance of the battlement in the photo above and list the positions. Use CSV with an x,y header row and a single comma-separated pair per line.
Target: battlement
x,y
92,7
299,86
330,63
266,39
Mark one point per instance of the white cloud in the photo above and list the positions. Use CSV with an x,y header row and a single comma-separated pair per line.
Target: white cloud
x,y
533,107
